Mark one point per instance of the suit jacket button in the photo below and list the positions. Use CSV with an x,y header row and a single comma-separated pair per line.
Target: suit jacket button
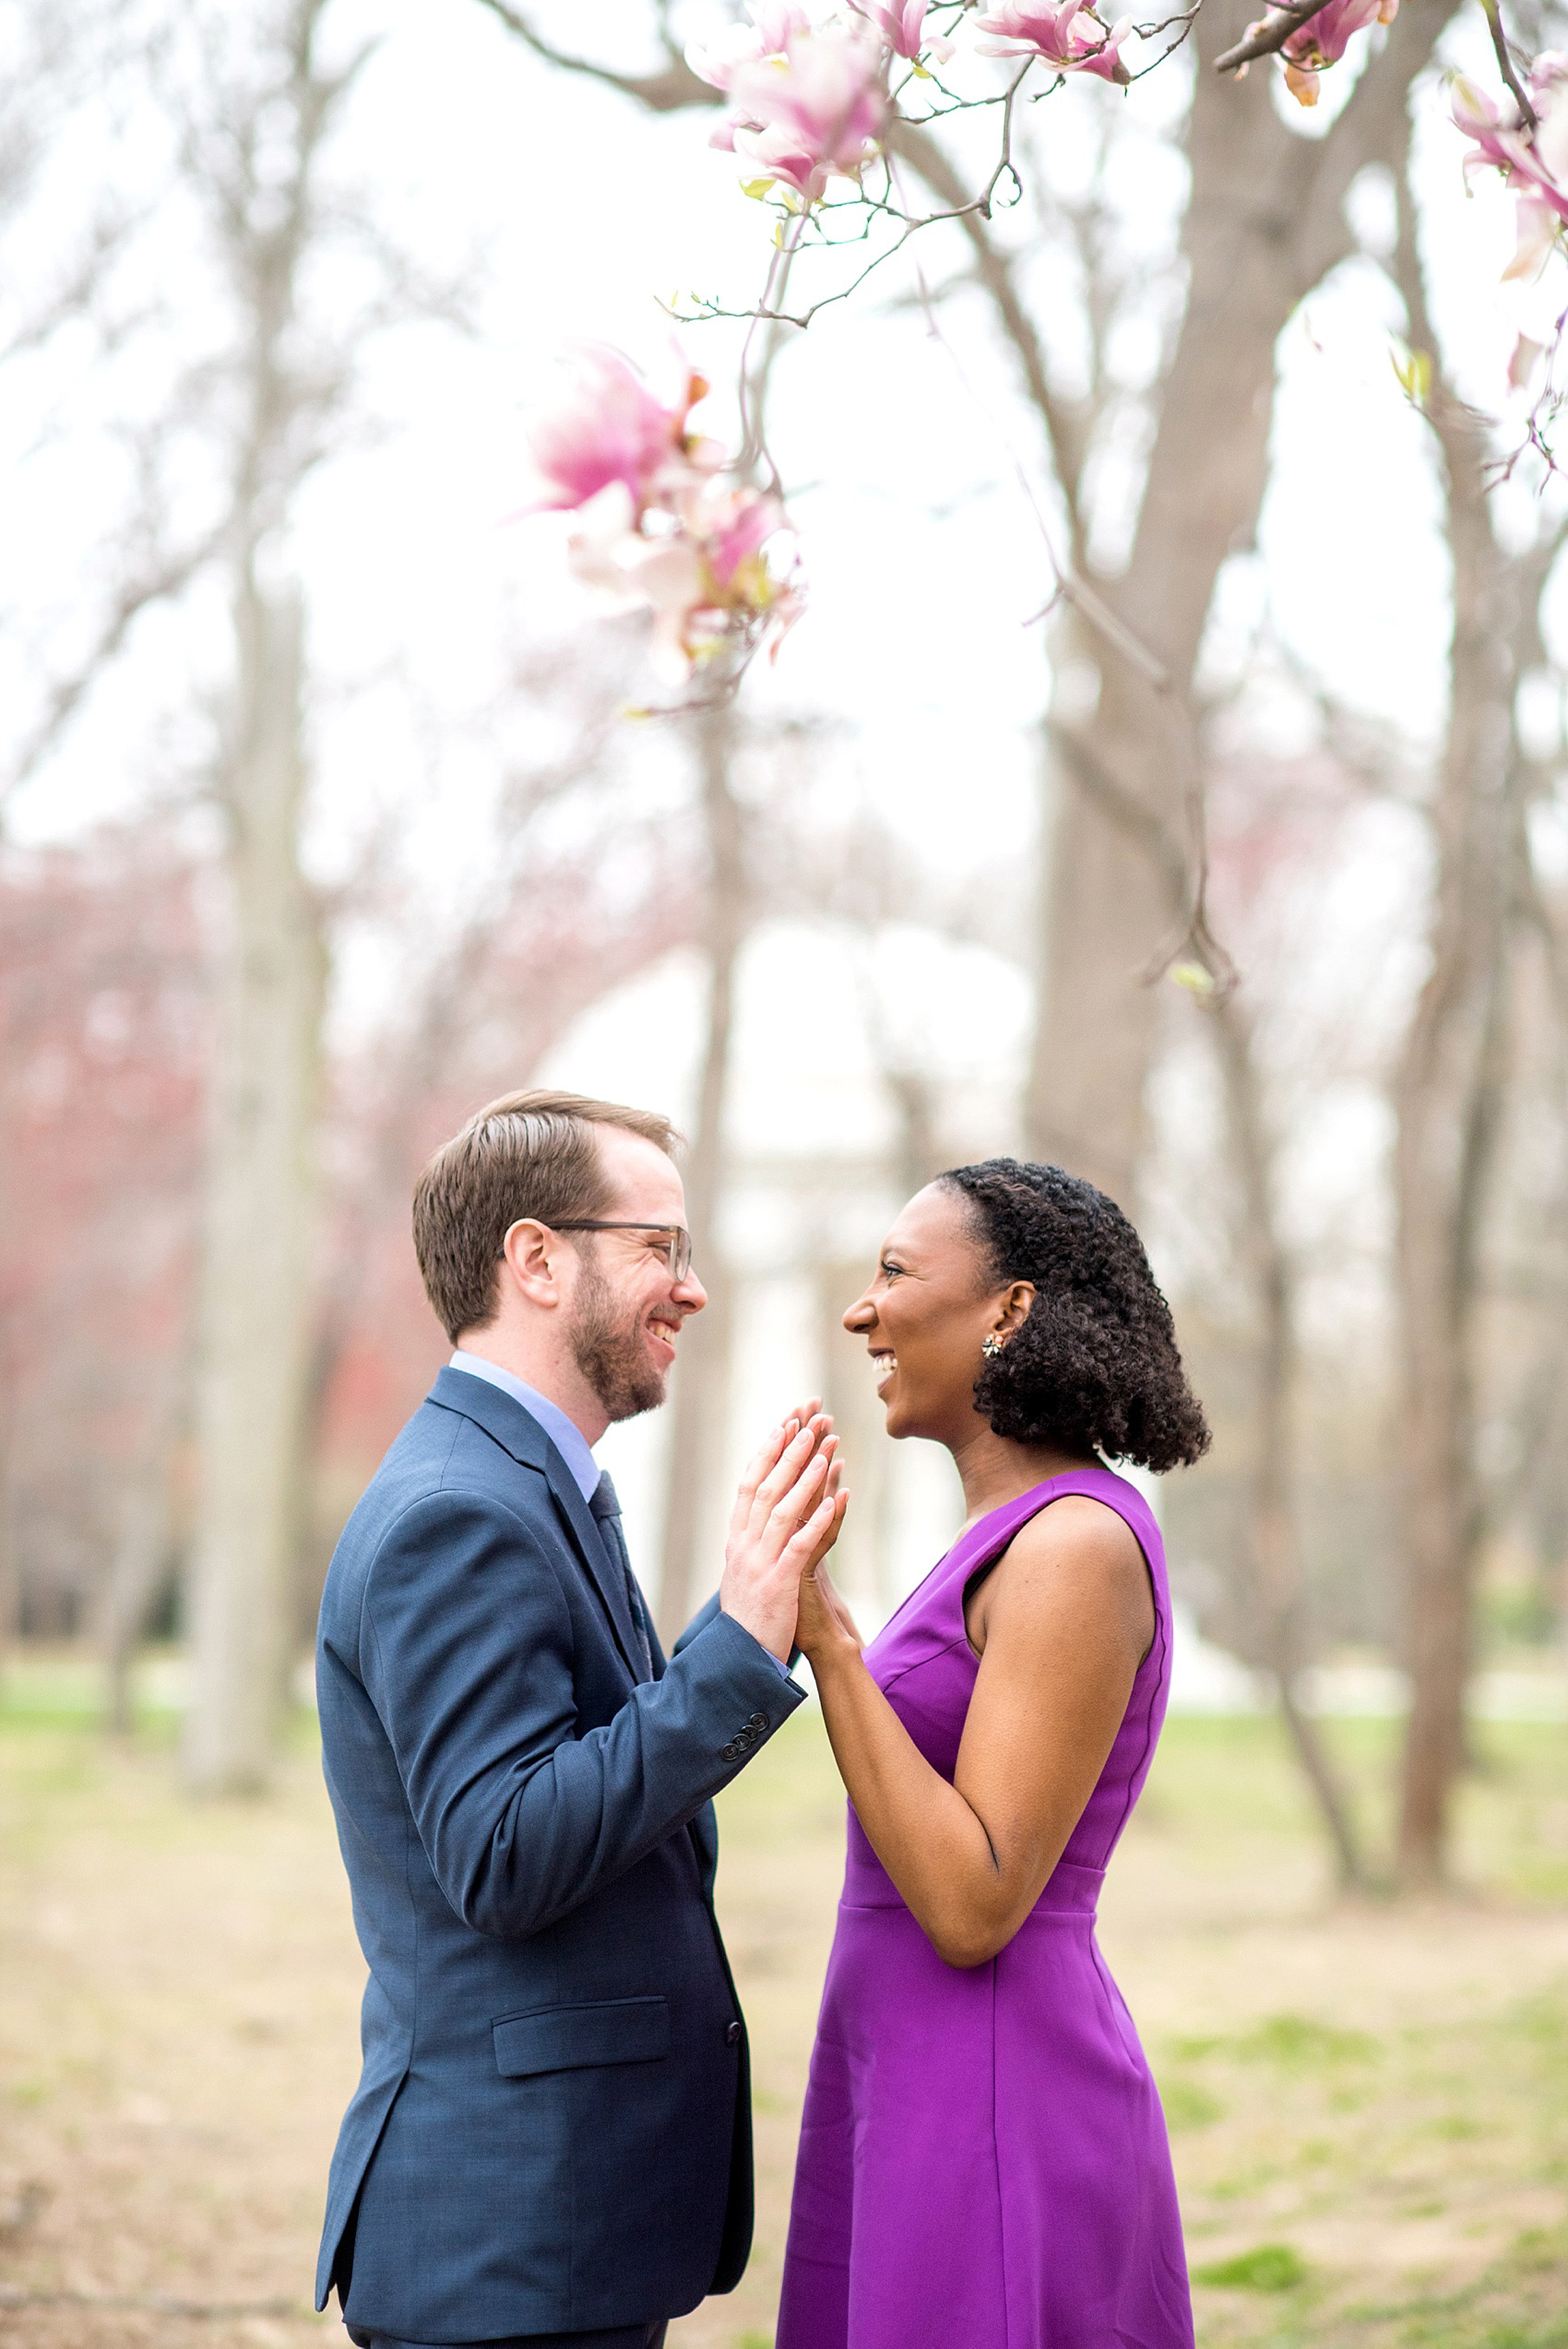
x,y
732,2035
757,1724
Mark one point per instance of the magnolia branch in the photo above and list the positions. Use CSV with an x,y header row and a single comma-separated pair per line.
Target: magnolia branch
x,y
910,224
1268,36
812,113
1494,15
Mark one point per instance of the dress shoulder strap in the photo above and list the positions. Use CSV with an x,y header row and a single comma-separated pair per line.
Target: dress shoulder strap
x,y
984,1542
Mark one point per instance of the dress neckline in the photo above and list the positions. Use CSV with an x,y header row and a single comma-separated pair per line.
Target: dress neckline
x,y
970,1543
1027,1504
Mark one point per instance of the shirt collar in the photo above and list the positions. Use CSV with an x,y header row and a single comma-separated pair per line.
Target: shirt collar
x,y
563,1433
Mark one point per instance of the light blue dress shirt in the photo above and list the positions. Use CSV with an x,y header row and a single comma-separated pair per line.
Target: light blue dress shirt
x,y
563,1433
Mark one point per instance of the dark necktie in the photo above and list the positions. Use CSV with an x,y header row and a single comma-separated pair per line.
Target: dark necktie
x,y
606,1507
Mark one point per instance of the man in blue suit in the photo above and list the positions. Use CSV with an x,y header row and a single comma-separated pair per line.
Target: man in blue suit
x,y
551,2140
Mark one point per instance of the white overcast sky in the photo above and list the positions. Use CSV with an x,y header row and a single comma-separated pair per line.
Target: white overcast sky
x,y
924,559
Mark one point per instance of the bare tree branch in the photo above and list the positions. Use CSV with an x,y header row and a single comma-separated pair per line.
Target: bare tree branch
x,y
995,270
168,575
1184,873
665,92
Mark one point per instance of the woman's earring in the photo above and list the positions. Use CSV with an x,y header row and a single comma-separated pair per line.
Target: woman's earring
x,y
990,1347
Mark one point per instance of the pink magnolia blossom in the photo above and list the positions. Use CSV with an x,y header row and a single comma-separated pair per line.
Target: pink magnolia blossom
x,y
608,426
662,575
1525,360
738,526
901,24
774,24
1322,42
815,112
701,557
712,586
607,549
1534,165
1068,36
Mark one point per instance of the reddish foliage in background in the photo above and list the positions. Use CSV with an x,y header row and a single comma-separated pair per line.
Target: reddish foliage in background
x,y
103,1044
105,1031
574,924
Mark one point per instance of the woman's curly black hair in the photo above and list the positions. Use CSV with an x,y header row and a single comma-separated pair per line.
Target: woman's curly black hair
x,y
1095,1366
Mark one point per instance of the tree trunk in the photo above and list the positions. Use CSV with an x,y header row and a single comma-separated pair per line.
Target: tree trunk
x,y
10,1570
1446,1097
1274,1549
257,1243
1263,222
699,1409
138,1569
1273,1541
1447,1105
10,1579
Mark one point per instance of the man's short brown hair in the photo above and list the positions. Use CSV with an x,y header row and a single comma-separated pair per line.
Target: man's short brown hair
x,y
527,1154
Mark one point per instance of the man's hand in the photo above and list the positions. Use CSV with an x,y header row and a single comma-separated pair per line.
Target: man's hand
x,y
787,1516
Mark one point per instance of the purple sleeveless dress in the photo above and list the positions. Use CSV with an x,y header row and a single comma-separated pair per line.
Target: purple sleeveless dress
x,y
983,2161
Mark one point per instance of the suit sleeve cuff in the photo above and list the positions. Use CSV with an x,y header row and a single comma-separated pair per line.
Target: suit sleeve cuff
x,y
746,1676
711,1613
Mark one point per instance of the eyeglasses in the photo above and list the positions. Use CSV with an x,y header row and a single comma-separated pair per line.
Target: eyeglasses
x,y
679,1253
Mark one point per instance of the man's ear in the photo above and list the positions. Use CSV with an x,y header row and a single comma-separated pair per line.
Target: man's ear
x,y
531,1259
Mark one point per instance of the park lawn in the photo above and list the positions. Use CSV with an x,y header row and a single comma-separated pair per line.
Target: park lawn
x,y
1369,2102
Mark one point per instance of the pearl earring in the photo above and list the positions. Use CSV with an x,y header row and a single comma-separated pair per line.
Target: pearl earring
x,y
990,1347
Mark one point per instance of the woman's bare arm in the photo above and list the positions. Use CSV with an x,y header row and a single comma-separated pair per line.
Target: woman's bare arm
x,y
1065,1619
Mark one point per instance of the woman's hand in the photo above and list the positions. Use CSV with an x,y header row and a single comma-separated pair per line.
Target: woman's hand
x,y
787,1516
826,1631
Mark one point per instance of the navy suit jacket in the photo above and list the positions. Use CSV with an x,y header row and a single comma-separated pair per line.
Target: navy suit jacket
x,y
552,2129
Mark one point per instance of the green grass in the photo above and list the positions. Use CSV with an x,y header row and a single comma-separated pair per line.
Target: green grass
x,y
1367,2101
1298,2043
1230,1788
1272,2267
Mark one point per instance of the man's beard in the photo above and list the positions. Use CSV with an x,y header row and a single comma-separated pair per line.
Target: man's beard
x,y
608,1348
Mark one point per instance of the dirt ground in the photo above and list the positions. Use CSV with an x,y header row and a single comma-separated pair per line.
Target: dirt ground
x,y
1369,2102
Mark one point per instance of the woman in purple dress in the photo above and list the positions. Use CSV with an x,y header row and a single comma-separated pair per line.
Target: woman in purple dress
x,y
983,2161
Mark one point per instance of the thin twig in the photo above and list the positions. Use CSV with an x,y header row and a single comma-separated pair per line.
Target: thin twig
x,y
1268,36
1491,11
1185,875
1070,589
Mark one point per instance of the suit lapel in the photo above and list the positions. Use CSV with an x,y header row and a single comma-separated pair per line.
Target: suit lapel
x,y
518,1432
